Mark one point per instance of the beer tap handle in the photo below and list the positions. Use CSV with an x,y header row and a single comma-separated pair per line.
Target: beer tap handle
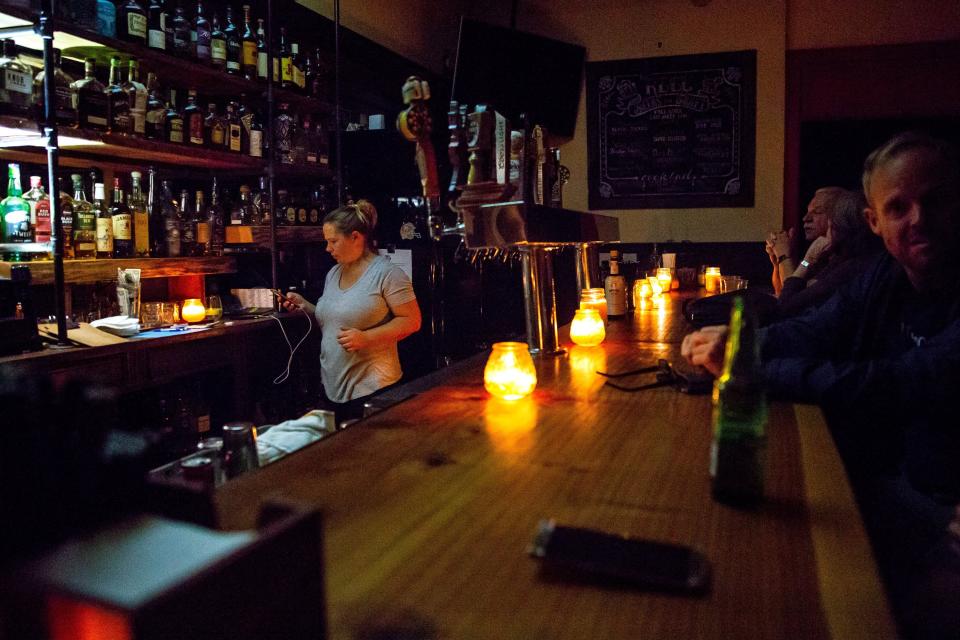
x,y
415,125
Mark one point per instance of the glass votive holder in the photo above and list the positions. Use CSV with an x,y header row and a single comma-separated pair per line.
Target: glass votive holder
x,y
732,283
655,287
711,279
665,277
150,317
641,292
169,313
510,374
586,329
594,299
193,310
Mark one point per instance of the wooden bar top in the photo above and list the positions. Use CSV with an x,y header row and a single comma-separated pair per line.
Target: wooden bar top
x,y
430,504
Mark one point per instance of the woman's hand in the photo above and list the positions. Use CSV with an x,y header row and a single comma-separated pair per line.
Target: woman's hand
x,y
293,301
352,339
706,347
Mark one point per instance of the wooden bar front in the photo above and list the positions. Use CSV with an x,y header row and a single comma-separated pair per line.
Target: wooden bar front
x,y
430,505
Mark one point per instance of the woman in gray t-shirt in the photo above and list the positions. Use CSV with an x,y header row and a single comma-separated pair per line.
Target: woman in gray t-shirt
x,y
367,306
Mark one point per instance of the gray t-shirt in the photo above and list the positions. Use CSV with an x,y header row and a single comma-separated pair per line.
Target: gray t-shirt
x,y
347,375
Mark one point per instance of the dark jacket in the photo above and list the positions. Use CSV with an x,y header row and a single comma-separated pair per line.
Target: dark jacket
x,y
884,362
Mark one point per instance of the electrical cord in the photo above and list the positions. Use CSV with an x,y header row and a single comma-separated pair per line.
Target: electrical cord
x,y
281,378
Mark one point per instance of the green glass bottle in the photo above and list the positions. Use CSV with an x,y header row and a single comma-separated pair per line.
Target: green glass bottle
x,y
16,213
739,414
84,222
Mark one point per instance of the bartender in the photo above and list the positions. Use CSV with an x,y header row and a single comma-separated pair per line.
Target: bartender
x,y
367,306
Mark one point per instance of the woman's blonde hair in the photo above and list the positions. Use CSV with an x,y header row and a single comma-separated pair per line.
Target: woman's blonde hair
x,y
360,217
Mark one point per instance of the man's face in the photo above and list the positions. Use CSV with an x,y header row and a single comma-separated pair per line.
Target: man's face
x,y
815,220
915,207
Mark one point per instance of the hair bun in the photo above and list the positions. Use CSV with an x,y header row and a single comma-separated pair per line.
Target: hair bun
x,y
369,212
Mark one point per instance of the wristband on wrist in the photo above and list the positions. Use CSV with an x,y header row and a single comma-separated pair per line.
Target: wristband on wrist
x,y
804,264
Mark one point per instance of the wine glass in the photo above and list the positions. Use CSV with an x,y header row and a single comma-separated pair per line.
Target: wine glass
x,y
214,308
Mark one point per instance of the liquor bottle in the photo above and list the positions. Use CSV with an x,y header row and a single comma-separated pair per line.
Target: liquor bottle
x,y
16,212
299,142
203,227
107,18
16,82
313,215
158,235
136,97
188,229
245,116
322,142
615,288
248,47
141,220
173,121
214,131
84,222
255,136
66,219
216,221
122,219
739,414
182,46
316,86
234,129
193,120
132,22
243,211
261,202
104,222
286,62
118,103
39,210
309,73
171,221
296,69
234,49
156,110
218,45
283,134
262,53
309,142
201,26
64,109
280,212
156,25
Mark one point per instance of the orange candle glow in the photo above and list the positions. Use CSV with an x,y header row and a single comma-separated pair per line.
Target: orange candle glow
x,y
587,329
711,279
193,310
665,278
594,299
510,374
655,288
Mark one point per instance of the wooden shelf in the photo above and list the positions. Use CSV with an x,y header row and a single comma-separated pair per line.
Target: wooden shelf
x,y
90,271
259,236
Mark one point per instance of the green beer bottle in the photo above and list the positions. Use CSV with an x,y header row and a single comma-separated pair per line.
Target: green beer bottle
x,y
739,414
16,214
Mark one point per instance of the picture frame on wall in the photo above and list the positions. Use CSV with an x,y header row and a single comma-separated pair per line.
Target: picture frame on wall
x,y
673,132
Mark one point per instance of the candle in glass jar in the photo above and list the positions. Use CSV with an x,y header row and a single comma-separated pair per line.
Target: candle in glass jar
x,y
510,374
587,329
193,310
665,278
711,279
594,299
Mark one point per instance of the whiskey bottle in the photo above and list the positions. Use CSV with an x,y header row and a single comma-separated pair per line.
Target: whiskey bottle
x,y
173,121
203,227
132,22
104,223
39,210
171,221
216,221
156,25
122,220
296,68
234,48
118,104
107,18
156,110
213,128
84,222
141,220
248,47
262,203
188,229
283,134
243,212
182,46
201,26
16,82
280,213
255,136
234,129
193,120
16,212
262,53
218,45
66,219
136,97
64,109
286,62
158,237
615,288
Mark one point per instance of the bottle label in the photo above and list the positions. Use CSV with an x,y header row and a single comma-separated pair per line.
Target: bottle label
x,y
121,227
203,232
216,136
104,235
137,25
616,293
157,39
233,63
141,233
298,78
41,215
107,18
176,130
172,229
93,108
189,234
302,215
203,423
196,128
291,215
276,70
17,223
250,54
262,65
18,81
203,44
256,143
218,50
235,137
314,215
286,68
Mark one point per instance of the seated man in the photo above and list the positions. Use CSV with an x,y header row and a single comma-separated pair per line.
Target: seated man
x,y
882,356
780,244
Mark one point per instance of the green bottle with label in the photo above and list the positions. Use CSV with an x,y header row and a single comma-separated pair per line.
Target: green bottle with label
x,y
16,213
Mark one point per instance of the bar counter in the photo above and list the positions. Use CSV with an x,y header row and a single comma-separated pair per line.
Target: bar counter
x,y
430,504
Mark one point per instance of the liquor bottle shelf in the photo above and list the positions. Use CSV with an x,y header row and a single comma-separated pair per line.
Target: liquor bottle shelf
x,y
91,271
259,236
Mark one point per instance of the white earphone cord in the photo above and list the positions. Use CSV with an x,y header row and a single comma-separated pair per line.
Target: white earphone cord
x,y
280,379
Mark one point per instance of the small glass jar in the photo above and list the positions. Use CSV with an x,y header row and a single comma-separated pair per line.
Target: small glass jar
x,y
711,279
665,277
594,299
193,310
587,329
510,374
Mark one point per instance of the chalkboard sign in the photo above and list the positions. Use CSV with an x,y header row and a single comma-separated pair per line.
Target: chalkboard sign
x,y
672,132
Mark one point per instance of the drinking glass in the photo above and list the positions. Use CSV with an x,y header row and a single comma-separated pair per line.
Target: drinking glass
x,y
214,308
150,317
169,313
731,283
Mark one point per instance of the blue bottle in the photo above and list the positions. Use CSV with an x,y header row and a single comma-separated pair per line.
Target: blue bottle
x,y
107,18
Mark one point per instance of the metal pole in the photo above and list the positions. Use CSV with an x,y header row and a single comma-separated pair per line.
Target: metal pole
x,y
271,155
337,124
45,30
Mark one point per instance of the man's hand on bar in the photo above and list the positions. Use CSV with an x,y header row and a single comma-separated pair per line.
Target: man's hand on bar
x,y
705,348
